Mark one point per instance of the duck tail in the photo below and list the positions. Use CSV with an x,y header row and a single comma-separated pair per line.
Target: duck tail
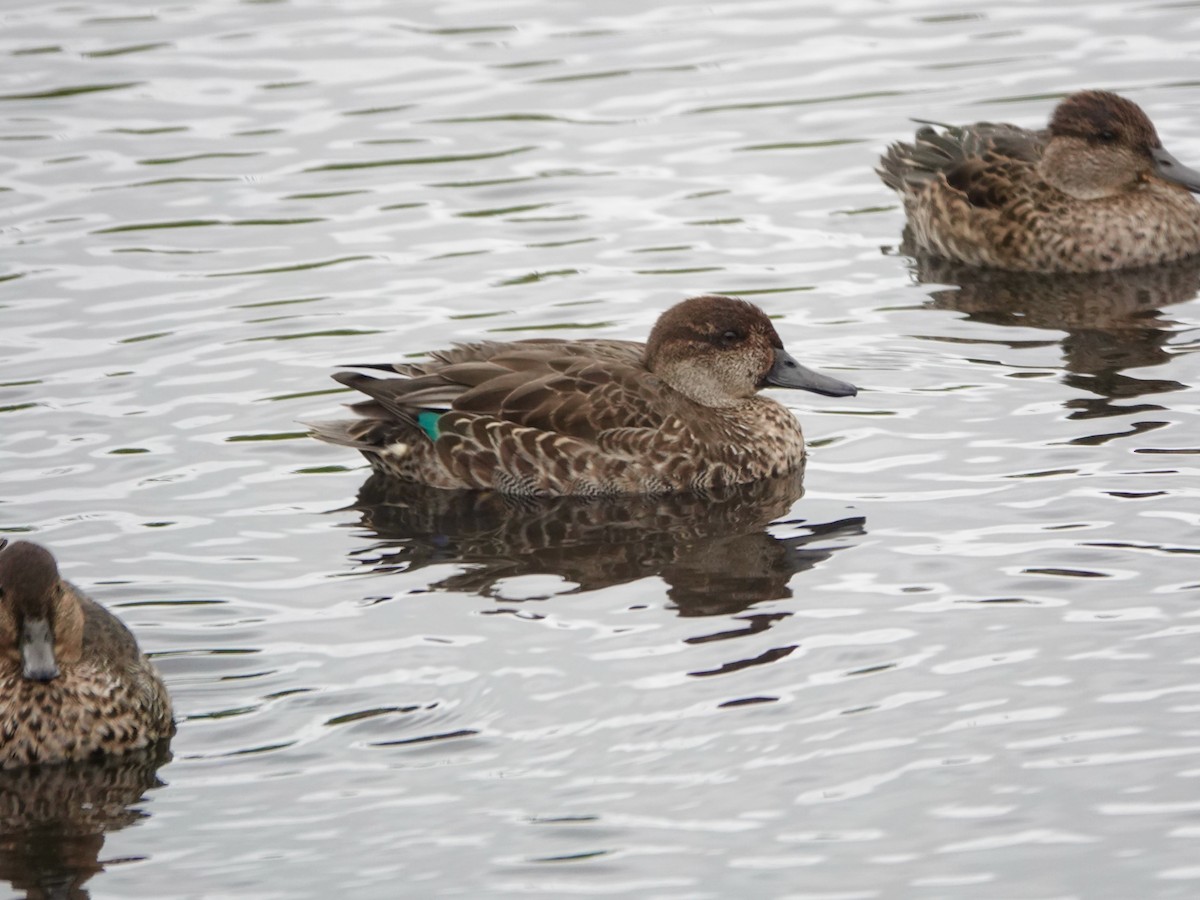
x,y
940,149
906,166
397,411
356,433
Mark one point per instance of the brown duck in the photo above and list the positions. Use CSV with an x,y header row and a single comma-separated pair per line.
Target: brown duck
x,y
591,417
73,684
1095,191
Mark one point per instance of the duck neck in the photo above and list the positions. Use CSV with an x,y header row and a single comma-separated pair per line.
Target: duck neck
x,y
699,385
1074,168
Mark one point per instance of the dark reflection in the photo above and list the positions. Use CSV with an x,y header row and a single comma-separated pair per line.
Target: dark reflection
x,y
53,819
713,551
1113,320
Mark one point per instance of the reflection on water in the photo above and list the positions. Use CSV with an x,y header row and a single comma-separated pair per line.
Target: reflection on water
x,y
1112,319
713,550
53,819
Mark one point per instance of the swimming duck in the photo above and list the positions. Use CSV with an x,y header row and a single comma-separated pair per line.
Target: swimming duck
x,y
1095,191
553,417
73,684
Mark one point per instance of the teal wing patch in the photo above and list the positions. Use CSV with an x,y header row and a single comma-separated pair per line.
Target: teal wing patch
x,y
428,420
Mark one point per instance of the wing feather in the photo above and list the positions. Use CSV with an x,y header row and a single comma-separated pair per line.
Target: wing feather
x,y
576,388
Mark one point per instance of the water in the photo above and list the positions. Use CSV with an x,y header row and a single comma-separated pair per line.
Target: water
x,y
960,665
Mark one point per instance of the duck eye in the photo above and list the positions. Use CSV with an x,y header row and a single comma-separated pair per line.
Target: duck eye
x,y
1107,136
730,337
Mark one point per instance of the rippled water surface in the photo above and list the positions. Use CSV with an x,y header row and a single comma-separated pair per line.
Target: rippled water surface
x,y
962,664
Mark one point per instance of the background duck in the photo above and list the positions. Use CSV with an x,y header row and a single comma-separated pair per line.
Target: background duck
x,y
553,417
73,683
1093,192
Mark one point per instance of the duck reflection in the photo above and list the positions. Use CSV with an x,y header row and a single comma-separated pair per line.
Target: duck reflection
x,y
1113,320
713,550
53,819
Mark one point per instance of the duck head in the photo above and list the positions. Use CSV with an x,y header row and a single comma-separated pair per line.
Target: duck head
x,y
41,624
720,351
1102,145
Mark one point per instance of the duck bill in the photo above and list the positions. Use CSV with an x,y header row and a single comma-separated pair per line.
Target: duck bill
x,y
37,651
1168,167
788,373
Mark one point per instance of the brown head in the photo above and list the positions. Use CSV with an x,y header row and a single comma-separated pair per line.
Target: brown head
x,y
719,351
1101,145
41,624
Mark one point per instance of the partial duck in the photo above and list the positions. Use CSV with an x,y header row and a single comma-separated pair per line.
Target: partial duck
x,y
73,683
1093,192
680,413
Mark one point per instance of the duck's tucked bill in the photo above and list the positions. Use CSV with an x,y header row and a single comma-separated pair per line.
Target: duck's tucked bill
x,y
73,684
591,417
1095,191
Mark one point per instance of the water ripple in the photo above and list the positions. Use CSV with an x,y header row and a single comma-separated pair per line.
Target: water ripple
x,y
971,632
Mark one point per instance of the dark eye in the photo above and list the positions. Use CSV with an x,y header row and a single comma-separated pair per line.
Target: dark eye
x,y
1107,136
732,336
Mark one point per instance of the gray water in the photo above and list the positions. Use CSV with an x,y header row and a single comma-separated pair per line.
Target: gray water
x,y
962,664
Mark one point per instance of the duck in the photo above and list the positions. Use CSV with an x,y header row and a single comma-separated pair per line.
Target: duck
x,y
1095,191
680,413
73,684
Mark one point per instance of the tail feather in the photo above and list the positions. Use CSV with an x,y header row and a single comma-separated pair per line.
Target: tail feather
x,y
905,166
938,148
344,433
369,435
